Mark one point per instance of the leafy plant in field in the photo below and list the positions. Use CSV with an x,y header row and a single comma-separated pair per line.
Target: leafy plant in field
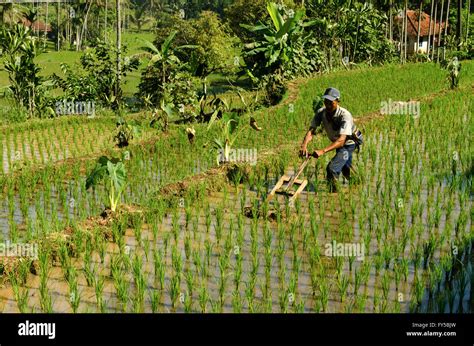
x,y
454,69
213,48
126,131
229,132
113,173
95,77
278,48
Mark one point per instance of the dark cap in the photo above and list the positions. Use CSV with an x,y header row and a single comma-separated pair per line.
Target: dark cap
x,y
331,94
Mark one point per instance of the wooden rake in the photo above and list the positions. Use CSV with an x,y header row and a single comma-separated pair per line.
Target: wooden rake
x,y
285,184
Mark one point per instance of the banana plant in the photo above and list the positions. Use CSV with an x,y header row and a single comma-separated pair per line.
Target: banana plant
x,y
164,54
276,44
18,48
112,172
165,67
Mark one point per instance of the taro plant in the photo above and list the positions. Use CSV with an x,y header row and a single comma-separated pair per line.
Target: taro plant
x,y
113,173
228,134
454,68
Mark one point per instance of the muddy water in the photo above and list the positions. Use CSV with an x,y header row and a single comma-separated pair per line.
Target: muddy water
x,y
230,205
71,203
279,293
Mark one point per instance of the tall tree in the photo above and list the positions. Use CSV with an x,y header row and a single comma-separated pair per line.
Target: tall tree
x,y
406,31
58,24
440,29
446,29
420,18
435,44
429,31
467,19
459,24
119,52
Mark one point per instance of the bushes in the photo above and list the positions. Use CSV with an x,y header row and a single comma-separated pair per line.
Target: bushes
x,y
19,49
166,81
96,77
213,45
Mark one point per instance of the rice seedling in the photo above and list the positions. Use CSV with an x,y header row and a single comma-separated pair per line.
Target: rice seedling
x,y
155,298
208,246
418,290
187,247
99,291
121,287
219,223
140,282
174,290
342,285
203,297
208,218
236,302
385,285
146,248
189,277
188,303
74,294
324,295
175,225
283,300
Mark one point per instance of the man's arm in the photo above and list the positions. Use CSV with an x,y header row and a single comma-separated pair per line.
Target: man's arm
x,y
315,123
307,139
339,143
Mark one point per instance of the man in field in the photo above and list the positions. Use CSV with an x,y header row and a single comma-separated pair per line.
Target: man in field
x,y
341,131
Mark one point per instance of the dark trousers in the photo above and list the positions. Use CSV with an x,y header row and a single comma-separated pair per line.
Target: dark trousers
x,y
342,162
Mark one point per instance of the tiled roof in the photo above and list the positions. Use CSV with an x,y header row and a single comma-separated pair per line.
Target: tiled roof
x,y
424,24
37,25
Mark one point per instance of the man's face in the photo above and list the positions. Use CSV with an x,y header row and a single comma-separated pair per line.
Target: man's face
x,y
331,106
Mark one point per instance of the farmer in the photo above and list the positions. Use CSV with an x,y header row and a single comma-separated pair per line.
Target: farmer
x,y
340,129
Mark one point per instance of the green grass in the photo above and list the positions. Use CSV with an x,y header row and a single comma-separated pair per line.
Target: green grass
x,y
50,62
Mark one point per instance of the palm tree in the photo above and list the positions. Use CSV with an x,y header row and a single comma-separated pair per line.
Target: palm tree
x,y
446,29
119,50
139,16
434,32
420,18
440,29
467,19
458,24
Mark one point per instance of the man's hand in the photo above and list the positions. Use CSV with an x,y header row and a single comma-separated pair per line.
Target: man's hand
x,y
318,153
304,151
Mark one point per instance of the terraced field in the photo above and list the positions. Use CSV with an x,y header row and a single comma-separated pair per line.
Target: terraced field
x,y
191,236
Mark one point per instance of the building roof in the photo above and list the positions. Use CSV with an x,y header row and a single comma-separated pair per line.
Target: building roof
x,y
424,24
37,25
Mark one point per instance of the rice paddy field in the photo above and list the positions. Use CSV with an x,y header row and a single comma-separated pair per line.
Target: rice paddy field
x,y
191,236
